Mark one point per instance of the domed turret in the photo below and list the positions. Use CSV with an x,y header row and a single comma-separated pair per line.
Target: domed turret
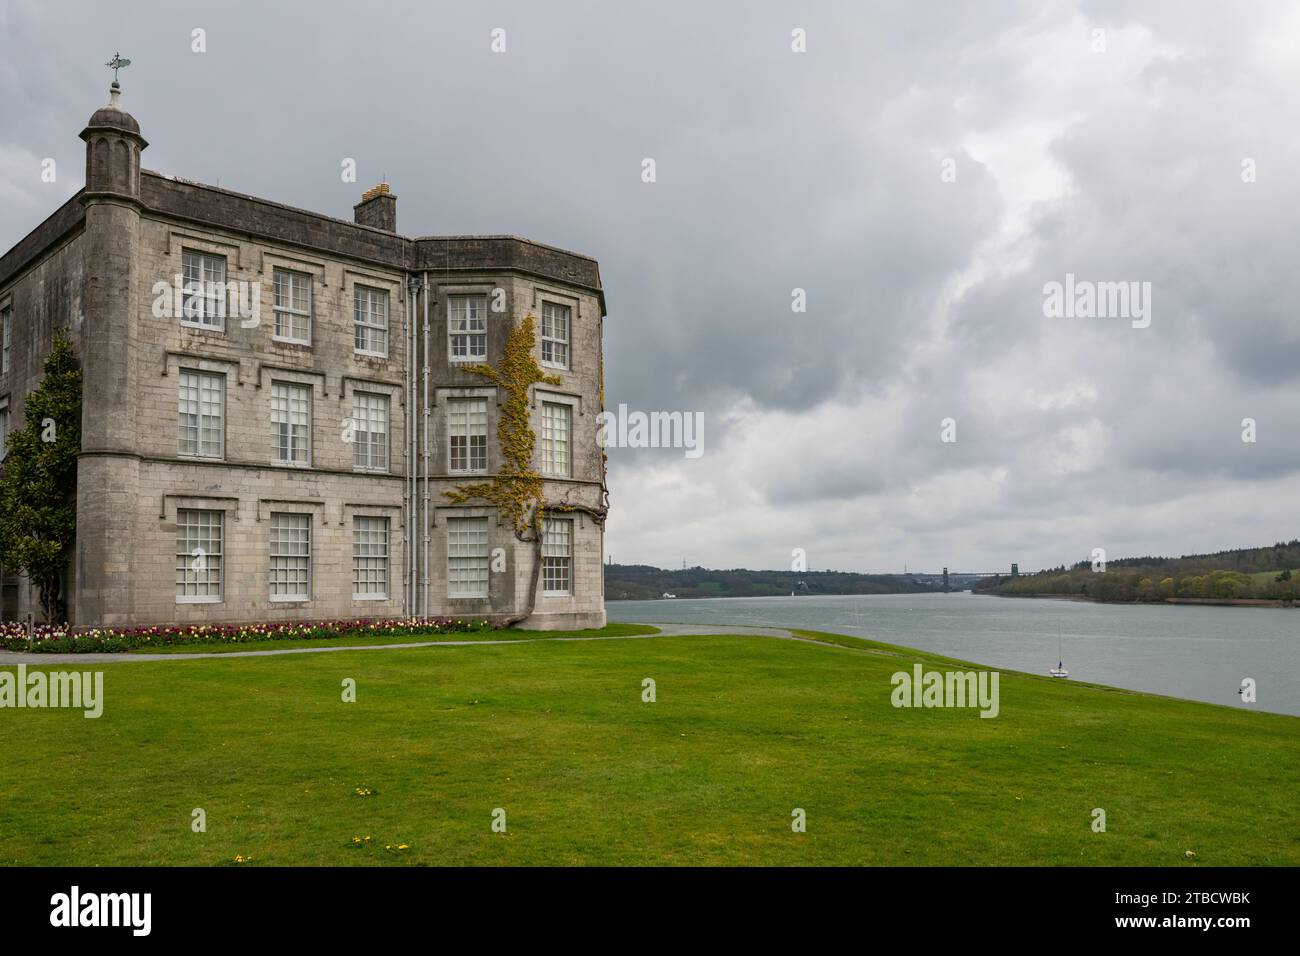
x,y
112,115
113,146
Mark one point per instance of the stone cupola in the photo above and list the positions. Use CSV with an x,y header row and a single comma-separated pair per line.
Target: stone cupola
x,y
113,147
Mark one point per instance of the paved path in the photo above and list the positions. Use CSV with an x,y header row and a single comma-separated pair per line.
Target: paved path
x,y
665,630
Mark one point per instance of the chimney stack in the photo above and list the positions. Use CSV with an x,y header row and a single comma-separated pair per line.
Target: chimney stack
x,y
378,208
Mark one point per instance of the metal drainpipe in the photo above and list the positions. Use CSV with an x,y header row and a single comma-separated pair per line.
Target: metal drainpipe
x,y
412,356
406,468
426,442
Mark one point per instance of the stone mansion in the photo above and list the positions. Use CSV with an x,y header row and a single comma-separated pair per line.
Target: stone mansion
x,y
276,403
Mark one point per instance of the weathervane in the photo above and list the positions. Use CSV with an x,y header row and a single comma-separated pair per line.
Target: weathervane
x,y
117,63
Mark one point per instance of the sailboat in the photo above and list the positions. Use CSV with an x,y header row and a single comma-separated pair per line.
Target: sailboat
x,y
1059,670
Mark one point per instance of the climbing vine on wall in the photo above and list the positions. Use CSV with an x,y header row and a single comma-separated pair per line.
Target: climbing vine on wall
x,y
516,489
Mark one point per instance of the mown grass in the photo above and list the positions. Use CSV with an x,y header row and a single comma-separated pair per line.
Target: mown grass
x,y
1267,576
743,731
505,634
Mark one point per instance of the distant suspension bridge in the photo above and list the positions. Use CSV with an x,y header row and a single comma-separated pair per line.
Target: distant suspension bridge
x,y
959,579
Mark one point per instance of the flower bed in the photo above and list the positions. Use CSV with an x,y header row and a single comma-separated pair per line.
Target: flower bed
x,y
59,639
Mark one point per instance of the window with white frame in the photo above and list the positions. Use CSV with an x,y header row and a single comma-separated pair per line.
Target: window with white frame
x,y
200,411
370,431
370,316
204,284
198,556
292,306
555,439
4,432
467,557
7,327
467,434
369,557
467,327
557,556
291,419
290,557
555,335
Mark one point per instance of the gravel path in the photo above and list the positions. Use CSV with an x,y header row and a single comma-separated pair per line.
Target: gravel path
x,y
665,630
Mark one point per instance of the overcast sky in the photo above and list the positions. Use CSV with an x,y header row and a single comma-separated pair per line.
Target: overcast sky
x,y
1115,156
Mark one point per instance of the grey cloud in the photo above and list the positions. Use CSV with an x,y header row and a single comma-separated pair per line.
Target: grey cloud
x,y
777,171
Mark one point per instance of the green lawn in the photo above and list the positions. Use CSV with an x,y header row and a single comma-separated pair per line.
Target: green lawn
x,y
1267,576
744,730
507,634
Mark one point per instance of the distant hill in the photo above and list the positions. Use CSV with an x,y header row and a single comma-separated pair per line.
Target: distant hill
x,y
625,582
1240,574
1285,555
